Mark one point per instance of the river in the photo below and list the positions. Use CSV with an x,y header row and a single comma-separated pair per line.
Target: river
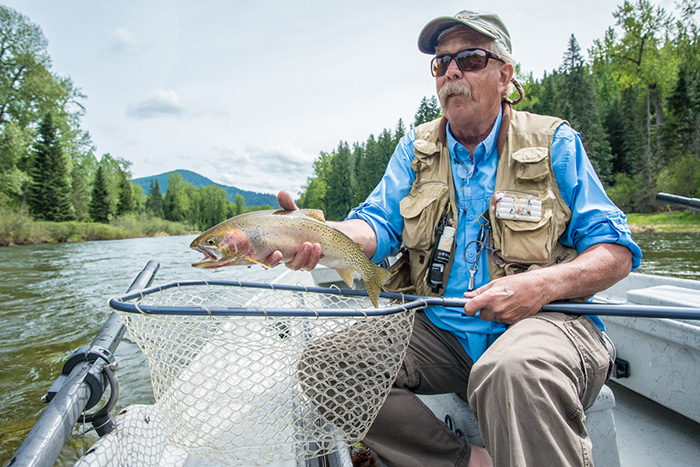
x,y
53,300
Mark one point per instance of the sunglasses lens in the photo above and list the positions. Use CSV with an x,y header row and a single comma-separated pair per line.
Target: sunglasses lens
x,y
440,64
472,60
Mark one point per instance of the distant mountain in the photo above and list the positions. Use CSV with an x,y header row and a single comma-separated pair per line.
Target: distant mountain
x,y
252,198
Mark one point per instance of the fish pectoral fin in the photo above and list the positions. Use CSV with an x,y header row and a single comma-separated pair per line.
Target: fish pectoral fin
x,y
346,275
257,262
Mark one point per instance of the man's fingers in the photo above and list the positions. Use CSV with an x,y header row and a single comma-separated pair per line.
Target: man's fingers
x,y
307,257
475,302
274,258
286,201
314,257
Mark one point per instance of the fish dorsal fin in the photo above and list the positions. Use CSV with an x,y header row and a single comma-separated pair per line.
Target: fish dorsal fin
x,y
346,275
315,214
360,246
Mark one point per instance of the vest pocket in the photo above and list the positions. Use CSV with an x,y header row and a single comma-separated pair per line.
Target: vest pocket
x,y
526,242
400,279
421,211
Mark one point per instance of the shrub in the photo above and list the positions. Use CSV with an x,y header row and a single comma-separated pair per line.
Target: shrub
x,y
624,192
19,228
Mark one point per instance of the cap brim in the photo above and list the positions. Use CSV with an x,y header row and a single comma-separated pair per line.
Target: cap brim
x,y
427,40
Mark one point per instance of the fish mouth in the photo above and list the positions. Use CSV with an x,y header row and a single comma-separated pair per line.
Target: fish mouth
x,y
212,258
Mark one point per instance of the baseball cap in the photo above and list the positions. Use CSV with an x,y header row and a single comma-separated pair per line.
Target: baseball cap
x,y
484,22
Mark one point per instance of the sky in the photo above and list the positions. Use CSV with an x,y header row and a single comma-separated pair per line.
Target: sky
x,y
248,93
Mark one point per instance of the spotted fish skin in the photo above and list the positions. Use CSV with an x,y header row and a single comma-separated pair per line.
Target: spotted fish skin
x,y
250,238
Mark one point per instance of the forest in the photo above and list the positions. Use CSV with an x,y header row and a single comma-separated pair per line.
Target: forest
x,y
635,101
634,97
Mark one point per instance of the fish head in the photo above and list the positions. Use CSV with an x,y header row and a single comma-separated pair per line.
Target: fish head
x,y
221,246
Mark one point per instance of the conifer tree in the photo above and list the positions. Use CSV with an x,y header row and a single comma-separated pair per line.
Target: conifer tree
x,y
126,198
49,194
341,185
154,203
99,205
428,110
366,166
400,131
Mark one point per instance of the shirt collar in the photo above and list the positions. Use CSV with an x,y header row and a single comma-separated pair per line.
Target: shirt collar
x,y
485,150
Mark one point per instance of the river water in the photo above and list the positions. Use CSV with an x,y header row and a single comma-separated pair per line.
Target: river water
x,y
53,300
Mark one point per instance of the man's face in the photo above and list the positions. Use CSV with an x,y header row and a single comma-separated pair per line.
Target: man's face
x,y
470,97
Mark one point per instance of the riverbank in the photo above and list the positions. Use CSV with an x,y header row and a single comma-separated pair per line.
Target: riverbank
x,y
665,222
20,229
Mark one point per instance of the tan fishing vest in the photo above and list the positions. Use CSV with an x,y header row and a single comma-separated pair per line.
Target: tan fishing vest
x,y
527,212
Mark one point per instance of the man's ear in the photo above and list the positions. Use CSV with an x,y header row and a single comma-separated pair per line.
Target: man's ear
x,y
505,76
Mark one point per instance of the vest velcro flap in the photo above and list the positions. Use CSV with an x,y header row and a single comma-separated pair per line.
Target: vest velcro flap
x,y
532,164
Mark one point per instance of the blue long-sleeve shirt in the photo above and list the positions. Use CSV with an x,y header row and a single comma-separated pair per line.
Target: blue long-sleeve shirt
x,y
595,219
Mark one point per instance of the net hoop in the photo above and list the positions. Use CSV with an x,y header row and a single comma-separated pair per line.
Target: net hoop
x,y
395,303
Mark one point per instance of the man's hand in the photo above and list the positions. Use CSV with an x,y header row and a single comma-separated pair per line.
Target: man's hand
x,y
512,298
508,299
307,256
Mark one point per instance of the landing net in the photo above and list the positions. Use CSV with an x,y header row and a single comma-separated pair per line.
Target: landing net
x,y
250,374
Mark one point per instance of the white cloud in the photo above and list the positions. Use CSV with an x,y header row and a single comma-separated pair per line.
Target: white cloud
x,y
266,170
161,103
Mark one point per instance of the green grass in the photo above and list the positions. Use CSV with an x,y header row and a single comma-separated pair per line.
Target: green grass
x,y
665,222
18,228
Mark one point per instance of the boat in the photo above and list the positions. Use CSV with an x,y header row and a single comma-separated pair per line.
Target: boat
x,y
647,414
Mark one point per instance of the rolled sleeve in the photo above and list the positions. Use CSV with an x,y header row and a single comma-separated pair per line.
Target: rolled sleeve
x,y
387,232
381,208
594,218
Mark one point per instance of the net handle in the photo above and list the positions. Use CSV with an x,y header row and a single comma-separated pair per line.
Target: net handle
x,y
405,303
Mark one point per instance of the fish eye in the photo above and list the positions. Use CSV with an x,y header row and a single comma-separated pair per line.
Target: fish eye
x,y
210,241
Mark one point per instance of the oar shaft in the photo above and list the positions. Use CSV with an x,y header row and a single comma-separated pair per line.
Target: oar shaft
x,y
602,309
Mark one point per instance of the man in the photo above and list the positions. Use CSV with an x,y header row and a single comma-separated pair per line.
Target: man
x,y
531,225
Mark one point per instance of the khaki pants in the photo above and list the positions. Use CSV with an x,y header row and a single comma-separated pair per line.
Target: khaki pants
x,y
528,391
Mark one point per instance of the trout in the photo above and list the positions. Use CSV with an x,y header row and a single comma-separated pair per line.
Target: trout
x,y
249,239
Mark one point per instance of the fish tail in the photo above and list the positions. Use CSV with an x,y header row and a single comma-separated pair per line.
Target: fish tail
x,y
374,279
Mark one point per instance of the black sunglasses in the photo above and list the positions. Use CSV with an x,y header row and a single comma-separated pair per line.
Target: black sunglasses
x,y
467,60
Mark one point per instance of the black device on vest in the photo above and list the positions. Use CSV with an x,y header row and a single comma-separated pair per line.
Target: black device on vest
x,y
442,251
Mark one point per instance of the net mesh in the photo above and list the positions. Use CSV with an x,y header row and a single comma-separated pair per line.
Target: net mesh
x,y
250,390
